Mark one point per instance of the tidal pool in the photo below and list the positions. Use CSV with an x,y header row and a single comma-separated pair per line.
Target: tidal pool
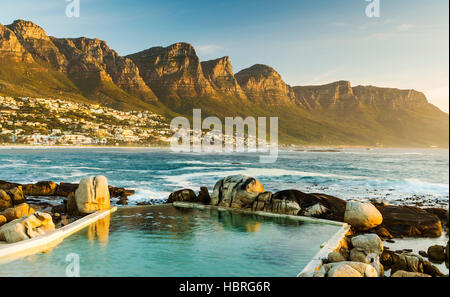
x,y
169,241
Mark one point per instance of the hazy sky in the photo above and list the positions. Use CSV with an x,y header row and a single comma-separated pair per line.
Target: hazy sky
x,y
307,42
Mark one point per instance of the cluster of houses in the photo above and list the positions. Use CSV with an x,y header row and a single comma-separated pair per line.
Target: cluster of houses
x,y
58,122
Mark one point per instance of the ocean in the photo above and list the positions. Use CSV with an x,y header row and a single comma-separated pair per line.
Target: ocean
x,y
400,176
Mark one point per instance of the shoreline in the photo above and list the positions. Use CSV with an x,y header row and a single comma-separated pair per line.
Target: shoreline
x,y
295,148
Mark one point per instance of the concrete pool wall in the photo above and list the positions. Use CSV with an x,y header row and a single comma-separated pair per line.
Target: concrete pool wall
x,y
316,262
14,251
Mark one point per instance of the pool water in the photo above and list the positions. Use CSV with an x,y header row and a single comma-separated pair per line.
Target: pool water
x,y
169,241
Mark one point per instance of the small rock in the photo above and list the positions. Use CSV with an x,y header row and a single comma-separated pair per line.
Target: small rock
x,y
423,254
186,195
203,196
123,200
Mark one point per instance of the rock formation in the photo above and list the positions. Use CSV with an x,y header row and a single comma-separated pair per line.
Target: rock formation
x,y
26,227
263,84
362,216
92,194
173,79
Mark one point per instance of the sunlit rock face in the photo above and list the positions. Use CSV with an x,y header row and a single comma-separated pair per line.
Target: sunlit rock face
x,y
220,74
11,48
263,84
173,72
92,194
93,58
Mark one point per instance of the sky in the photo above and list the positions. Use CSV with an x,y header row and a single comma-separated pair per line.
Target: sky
x,y
308,42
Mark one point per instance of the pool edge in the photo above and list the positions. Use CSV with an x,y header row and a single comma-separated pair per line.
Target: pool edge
x,y
14,251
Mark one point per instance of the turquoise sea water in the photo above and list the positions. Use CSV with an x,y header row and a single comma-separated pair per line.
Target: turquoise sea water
x,y
165,241
392,174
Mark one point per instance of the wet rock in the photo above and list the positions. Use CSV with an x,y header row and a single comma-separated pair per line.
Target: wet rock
x,y
120,192
362,216
284,204
17,212
423,254
92,194
263,202
410,221
408,262
436,253
28,227
64,189
186,195
440,213
59,208
237,191
316,205
203,196
4,185
71,205
402,273
43,188
123,200
335,257
346,269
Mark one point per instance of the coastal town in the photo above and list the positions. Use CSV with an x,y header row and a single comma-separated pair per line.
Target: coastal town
x,y
44,121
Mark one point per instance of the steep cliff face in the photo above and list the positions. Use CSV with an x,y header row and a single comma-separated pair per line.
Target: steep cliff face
x,y
390,98
173,79
335,95
220,74
173,72
262,84
34,39
91,60
11,48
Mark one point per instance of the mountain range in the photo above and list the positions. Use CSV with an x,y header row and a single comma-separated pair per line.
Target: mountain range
x,y
172,81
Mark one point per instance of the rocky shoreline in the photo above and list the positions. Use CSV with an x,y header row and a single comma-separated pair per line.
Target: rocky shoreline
x,y
361,253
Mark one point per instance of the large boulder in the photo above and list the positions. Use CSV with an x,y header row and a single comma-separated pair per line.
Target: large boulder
x,y
312,205
43,188
436,253
335,257
186,195
346,269
237,191
17,212
28,227
362,216
92,194
410,221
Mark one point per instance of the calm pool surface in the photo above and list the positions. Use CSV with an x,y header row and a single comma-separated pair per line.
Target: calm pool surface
x,y
166,241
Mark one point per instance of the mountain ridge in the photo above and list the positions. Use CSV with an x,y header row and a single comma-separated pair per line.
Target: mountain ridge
x,y
173,80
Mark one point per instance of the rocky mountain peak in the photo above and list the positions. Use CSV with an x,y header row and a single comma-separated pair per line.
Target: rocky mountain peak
x,y
173,72
220,74
262,83
28,30
10,46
